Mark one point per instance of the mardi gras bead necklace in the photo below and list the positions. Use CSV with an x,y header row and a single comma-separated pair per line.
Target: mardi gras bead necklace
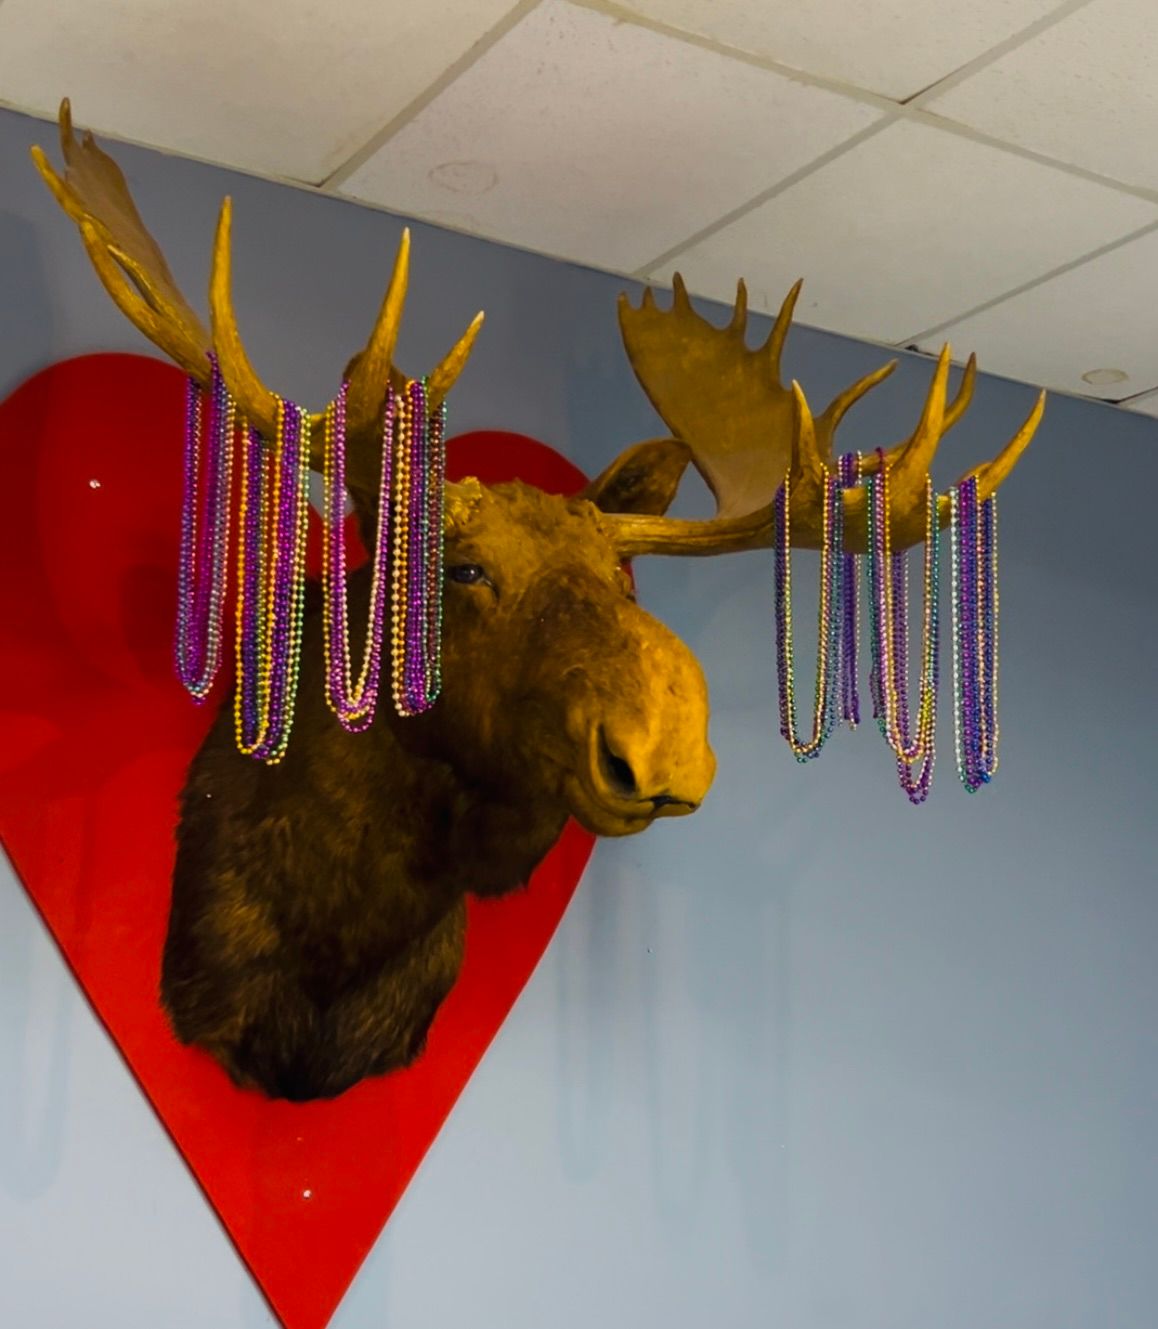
x,y
256,465
828,618
975,605
273,523
416,547
888,581
271,584
205,521
850,474
408,542
975,634
354,705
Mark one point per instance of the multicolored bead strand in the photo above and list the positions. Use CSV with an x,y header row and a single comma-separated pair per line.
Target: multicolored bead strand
x,y
271,576
354,705
849,468
406,562
416,552
888,580
399,552
991,609
975,606
828,617
255,467
973,529
205,529
436,509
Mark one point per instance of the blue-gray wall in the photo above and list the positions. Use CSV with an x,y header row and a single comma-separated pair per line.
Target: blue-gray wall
x,y
811,1058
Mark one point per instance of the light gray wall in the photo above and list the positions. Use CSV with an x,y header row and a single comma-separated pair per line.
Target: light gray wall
x,y
811,1058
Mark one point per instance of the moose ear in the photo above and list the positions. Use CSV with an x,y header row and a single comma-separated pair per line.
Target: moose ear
x,y
642,480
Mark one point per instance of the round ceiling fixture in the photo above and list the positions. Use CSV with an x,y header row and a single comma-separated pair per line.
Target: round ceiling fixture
x,y
464,177
1103,378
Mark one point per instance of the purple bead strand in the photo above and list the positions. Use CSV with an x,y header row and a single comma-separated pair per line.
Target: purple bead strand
x,y
205,531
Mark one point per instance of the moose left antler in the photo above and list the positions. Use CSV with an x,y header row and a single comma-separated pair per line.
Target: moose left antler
x,y
133,270
318,906
745,431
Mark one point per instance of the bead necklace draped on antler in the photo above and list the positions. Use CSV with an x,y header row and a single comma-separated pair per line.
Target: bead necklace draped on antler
x,y
770,463
772,469
380,411
745,432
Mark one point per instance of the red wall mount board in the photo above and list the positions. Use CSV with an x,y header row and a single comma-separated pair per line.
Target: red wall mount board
x,y
95,739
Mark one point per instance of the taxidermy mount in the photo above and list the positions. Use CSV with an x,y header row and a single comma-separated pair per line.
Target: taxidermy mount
x,y
318,905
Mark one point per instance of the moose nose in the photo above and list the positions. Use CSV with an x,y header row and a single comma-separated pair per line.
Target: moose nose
x,y
621,777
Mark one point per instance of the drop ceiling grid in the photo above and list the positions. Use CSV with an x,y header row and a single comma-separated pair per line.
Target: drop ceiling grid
x,y
533,134
908,230
1084,93
1101,314
611,168
262,86
1145,404
878,46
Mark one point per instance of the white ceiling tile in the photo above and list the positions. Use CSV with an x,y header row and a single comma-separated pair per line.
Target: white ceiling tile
x,y
602,142
1098,316
1145,405
1084,92
285,87
889,48
906,230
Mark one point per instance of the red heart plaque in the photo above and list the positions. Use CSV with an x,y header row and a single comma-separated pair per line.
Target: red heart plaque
x,y
95,737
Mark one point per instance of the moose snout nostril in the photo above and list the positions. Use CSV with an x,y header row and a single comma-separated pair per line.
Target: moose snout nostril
x,y
666,801
616,769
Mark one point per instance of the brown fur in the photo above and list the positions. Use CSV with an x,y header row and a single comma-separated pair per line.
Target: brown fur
x,y
318,906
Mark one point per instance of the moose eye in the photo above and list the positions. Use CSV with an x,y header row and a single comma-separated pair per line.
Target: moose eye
x,y
468,574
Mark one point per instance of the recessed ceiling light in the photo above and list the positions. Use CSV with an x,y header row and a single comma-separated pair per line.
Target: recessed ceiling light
x,y
1102,378
464,177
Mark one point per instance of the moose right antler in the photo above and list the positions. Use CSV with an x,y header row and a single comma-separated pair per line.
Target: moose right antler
x,y
133,270
745,432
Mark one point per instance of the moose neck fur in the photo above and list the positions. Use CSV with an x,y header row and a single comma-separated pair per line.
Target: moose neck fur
x,y
307,895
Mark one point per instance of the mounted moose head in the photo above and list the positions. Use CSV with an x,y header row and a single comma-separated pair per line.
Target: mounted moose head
x,y
318,906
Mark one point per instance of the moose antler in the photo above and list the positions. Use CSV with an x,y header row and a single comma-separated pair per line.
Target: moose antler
x,y
746,432
133,270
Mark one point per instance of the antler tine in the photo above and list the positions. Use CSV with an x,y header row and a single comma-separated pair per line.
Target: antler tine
x,y
257,403
870,464
844,400
369,370
808,460
127,259
915,457
773,348
964,396
452,364
739,324
993,473
372,368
